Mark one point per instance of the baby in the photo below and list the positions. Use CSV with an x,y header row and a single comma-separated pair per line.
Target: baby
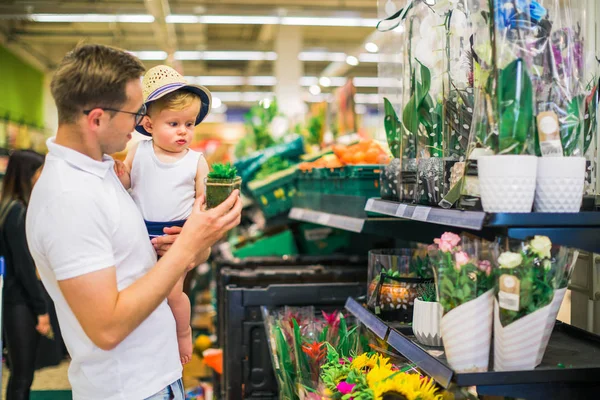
x,y
164,175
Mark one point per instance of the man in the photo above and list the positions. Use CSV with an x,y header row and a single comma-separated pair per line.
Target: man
x,y
90,243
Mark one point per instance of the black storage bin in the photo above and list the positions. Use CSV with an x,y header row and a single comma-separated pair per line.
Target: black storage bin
x,y
281,263
247,369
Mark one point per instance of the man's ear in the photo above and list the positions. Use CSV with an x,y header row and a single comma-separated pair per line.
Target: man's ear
x,y
93,118
147,124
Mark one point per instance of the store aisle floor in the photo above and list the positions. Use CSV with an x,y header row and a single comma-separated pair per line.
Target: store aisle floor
x,y
52,378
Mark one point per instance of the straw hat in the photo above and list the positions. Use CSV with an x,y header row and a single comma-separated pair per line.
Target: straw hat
x,y
162,80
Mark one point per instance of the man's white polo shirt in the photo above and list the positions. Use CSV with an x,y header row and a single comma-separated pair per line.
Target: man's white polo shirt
x,y
80,219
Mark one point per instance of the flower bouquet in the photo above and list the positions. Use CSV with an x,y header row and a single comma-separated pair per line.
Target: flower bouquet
x,y
465,283
372,377
532,277
297,340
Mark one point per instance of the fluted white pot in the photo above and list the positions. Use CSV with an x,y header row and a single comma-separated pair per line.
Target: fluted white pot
x,y
426,322
507,183
559,187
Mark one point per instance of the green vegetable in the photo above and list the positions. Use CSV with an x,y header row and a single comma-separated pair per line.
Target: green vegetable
x,y
223,171
273,165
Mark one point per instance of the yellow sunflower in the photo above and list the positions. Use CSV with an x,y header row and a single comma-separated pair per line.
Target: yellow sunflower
x,y
365,361
378,374
411,386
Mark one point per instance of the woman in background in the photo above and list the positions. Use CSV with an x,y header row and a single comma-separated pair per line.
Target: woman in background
x,y
25,312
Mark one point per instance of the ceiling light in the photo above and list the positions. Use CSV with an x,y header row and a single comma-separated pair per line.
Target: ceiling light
x,y
182,19
321,56
322,21
325,81
239,19
351,60
261,81
133,18
371,47
238,55
369,58
150,55
315,90
207,19
216,102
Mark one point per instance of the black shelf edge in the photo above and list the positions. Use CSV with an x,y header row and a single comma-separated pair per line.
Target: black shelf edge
x,y
374,324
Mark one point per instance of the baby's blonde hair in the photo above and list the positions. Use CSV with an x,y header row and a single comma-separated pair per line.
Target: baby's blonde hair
x,y
176,101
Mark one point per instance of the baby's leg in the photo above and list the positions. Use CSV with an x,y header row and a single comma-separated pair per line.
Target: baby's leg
x,y
181,308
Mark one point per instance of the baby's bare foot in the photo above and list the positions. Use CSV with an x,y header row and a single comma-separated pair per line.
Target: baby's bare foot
x,y
184,341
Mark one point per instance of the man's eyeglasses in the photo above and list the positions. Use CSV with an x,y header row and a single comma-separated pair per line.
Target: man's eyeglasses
x,y
138,115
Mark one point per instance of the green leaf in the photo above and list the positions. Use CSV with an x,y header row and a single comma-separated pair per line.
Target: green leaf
x,y
571,129
410,115
393,128
515,108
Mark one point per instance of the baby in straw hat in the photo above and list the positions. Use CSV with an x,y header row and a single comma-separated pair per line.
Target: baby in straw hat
x,y
165,176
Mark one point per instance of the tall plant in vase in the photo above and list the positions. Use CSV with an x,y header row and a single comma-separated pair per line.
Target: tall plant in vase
x,y
507,179
464,283
560,106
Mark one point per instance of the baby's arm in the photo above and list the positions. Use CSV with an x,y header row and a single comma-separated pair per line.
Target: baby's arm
x,y
181,309
123,169
201,174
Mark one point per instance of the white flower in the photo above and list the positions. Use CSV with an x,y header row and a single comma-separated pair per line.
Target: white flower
x,y
510,260
541,245
459,25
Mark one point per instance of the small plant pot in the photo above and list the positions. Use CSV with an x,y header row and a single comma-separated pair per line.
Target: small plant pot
x,y
408,180
218,190
389,181
427,316
430,181
560,182
507,183
394,301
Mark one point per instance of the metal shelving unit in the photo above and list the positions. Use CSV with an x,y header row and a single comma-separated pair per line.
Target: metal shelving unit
x,y
423,223
574,348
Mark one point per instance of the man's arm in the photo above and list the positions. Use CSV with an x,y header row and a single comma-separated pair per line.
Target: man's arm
x,y
108,315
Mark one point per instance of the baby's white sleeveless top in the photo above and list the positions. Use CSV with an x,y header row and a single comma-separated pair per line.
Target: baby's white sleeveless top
x,y
163,191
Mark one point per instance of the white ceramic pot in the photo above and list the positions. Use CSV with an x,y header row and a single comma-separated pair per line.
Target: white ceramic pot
x,y
559,186
507,183
426,322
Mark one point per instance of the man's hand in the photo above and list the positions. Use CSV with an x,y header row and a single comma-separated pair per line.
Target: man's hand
x,y
203,228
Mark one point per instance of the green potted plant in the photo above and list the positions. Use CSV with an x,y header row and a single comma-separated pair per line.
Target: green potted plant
x,y
427,316
221,181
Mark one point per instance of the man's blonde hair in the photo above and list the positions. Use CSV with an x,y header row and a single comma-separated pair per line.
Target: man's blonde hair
x,y
176,101
93,76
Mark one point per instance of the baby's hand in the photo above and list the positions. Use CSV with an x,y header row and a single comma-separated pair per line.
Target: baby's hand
x,y
123,174
120,168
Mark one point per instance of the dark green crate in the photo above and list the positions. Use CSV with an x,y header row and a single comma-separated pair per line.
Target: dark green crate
x,y
274,194
361,180
281,244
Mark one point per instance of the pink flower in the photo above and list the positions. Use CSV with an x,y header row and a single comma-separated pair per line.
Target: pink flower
x,y
488,271
332,319
345,387
461,258
447,242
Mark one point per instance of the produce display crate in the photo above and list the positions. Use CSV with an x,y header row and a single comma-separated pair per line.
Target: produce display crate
x,y
279,244
310,187
321,240
274,194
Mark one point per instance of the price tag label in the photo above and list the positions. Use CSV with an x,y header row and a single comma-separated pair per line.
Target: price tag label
x,y
323,219
369,206
296,213
421,213
400,210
